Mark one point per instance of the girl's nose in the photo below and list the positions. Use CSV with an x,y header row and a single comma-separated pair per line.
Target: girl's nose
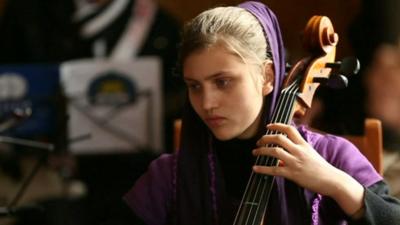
x,y
209,100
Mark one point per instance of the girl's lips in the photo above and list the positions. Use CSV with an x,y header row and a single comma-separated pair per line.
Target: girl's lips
x,y
215,121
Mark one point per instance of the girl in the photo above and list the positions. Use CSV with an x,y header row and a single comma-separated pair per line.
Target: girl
x,y
233,65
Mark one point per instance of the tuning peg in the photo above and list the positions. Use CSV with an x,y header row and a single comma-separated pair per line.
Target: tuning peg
x,y
348,66
337,81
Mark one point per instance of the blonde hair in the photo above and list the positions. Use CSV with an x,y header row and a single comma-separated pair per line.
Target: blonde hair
x,y
235,28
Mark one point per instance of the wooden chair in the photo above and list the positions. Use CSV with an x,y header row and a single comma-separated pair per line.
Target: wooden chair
x,y
177,133
370,143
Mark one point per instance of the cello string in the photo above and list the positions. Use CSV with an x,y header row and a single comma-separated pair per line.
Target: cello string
x,y
284,100
250,185
283,117
258,178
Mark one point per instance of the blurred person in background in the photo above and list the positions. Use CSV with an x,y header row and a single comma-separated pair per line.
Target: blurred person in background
x,y
55,31
374,91
382,82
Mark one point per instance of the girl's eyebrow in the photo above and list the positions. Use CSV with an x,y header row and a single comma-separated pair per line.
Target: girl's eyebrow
x,y
212,76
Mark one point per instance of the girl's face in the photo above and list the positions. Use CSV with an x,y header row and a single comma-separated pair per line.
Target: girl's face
x,y
224,92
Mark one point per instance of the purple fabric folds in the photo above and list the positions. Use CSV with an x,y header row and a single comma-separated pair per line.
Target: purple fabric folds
x,y
151,197
270,24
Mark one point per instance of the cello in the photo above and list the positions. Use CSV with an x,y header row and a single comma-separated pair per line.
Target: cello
x,y
301,82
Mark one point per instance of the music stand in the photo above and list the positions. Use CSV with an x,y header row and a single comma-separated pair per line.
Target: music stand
x,y
117,102
11,209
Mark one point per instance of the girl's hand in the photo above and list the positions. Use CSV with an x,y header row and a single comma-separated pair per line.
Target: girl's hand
x,y
302,164
306,167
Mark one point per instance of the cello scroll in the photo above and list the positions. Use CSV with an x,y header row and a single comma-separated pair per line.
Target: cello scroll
x,y
320,40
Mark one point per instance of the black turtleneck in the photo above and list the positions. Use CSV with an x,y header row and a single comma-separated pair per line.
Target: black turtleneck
x,y
235,159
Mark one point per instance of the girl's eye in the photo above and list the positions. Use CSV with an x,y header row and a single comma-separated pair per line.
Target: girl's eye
x,y
222,83
193,86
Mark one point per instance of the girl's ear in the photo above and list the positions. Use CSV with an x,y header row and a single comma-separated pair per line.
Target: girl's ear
x,y
269,76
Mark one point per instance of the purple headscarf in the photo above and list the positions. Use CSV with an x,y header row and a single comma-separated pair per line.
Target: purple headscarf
x,y
273,37
198,191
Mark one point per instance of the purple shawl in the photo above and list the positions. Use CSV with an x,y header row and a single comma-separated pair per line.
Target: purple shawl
x,y
273,35
152,196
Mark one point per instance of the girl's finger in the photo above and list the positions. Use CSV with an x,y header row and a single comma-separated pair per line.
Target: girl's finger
x,y
270,170
276,152
291,132
272,140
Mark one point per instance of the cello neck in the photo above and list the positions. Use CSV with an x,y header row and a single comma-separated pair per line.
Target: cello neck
x,y
256,196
